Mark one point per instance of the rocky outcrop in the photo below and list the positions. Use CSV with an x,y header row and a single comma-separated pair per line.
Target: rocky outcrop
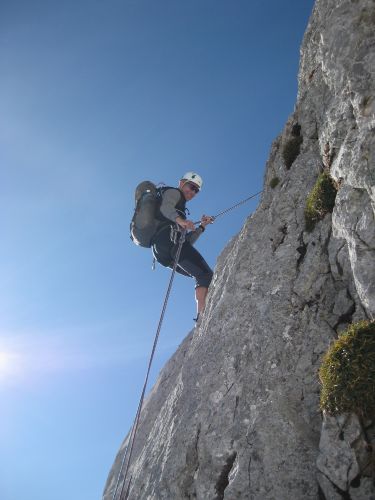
x,y
235,412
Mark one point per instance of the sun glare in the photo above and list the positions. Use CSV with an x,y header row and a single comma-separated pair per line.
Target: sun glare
x,y
6,363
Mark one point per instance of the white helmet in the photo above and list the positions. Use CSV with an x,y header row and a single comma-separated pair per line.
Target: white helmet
x,y
193,177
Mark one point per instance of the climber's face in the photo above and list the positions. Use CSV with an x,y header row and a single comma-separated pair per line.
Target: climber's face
x,y
189,189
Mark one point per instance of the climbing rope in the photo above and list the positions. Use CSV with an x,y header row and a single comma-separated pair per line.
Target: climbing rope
x,y
233,207
129,449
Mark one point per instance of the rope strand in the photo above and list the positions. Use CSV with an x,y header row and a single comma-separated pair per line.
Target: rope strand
x,y
233,207
129,449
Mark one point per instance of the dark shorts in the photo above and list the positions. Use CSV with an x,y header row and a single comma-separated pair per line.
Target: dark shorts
x,y
191,263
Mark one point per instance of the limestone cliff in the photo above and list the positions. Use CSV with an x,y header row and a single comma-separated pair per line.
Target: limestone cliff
x,y
235,412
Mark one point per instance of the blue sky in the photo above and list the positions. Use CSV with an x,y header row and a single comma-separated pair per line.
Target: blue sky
x,y
96,96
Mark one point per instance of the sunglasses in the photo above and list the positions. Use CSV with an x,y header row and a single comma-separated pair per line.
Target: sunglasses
x,y
193,187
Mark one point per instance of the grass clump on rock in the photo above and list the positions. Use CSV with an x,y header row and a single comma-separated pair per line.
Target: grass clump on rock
x,y
347,373
274,182
291,150
320,201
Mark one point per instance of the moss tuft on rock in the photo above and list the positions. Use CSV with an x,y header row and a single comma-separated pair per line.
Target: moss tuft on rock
x,y
274,182
296,130
320,201
347,373
291,150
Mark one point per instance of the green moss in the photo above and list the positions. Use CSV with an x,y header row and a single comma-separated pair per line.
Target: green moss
x,y
347,373
296,130
291,150
320,201
367,16
274,182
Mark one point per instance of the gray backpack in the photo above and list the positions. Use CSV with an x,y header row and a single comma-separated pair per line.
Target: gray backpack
x,y
144,222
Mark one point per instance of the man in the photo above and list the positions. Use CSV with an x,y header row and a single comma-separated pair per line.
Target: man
x,y
171,215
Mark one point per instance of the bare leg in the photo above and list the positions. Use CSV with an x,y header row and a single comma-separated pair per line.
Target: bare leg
x,y
200,297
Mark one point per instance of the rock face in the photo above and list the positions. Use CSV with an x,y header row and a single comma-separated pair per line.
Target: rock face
x,y
235,412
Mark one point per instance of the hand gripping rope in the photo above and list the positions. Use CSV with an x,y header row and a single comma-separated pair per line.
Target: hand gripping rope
x,y
125,463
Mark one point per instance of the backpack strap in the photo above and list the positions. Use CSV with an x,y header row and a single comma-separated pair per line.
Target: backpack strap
x,y
180,206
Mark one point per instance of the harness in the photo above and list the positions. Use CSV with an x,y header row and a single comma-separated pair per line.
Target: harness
x,y
167,224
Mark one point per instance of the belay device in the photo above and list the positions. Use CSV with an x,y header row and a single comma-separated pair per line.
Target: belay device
x,y
144,222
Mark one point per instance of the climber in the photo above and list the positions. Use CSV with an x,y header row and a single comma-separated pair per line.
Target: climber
x,y
171,214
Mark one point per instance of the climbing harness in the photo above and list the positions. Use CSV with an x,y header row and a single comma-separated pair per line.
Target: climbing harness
x,y
174,234
125,463
129,449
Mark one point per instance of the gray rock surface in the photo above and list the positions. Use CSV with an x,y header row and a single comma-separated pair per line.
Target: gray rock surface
x,y
345,461
235,412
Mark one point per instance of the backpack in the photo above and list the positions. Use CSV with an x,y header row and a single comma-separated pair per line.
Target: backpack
x,y
147,218
144,223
